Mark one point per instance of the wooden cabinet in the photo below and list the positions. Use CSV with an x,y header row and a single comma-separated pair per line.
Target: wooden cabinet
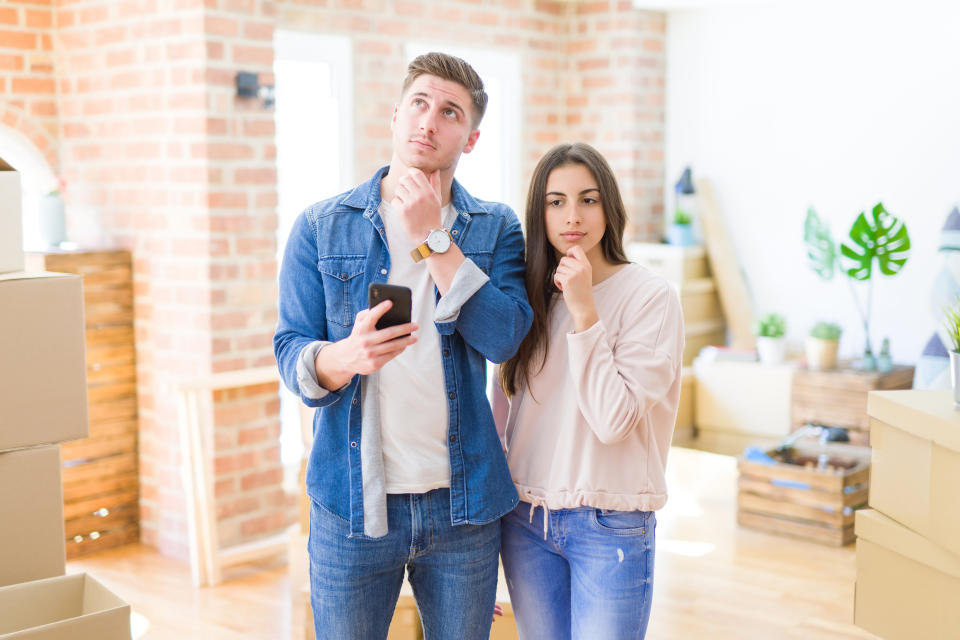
x,y
101,488
838,398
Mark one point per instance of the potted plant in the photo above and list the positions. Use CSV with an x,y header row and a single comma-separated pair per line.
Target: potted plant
x,y
770,330
822,344
952,325
680,231
880,238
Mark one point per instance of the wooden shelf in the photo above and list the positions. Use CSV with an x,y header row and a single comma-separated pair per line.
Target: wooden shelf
x,y
101,485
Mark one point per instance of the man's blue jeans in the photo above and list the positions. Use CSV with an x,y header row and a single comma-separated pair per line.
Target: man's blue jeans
x,y
355,582
590,579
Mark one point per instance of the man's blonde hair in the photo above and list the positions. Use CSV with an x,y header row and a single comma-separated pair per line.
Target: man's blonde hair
x,y
450,68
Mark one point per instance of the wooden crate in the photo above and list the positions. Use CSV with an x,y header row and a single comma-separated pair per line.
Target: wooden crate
x,y
101,486
838,398
822,513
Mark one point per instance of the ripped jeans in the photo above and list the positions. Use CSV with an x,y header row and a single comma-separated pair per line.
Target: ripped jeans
x,y
589,576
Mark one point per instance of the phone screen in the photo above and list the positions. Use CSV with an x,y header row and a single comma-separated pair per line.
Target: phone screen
x,y
399,313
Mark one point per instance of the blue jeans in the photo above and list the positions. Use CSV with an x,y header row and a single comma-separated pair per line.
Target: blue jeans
x,y
591,578
355,582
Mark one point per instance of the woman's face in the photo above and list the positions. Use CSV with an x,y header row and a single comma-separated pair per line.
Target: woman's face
x,y
573,211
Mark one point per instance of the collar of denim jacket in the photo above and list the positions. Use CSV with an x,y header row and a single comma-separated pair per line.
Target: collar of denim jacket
x,y
367,196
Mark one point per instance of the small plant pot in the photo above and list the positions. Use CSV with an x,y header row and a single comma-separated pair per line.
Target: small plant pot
x,y
680,235
955,377
821,354
772,350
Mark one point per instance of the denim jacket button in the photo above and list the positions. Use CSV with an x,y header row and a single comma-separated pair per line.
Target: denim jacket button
x,y
446,353
353,444
452,395
453,438
454,232
355,401
383,272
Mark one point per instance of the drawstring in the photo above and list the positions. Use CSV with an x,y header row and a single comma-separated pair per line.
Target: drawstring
x,y
540,502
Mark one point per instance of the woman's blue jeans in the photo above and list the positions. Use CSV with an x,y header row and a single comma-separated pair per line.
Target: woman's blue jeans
x,y
590,579
355,582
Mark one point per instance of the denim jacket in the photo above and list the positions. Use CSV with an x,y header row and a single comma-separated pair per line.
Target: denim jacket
x,y
336,249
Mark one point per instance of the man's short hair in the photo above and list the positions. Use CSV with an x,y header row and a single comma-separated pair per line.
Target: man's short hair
x,y
450,68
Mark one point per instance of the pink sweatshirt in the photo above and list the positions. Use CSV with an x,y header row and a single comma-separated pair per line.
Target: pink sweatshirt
x,y
595,425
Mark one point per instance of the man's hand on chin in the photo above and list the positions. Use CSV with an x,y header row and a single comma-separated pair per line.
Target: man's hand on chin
x,y
417,203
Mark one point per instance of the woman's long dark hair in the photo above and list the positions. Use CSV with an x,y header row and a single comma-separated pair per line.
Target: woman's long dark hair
x,y
541,258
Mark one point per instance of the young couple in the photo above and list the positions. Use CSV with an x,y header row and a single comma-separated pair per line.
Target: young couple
x,y
407,471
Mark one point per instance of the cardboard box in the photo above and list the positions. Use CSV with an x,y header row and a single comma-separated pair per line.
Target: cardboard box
x,y
43,379
743,397
73,607
676,264
31,515
11,220
915,437
907,587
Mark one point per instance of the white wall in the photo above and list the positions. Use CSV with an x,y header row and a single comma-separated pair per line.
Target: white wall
x,y
838,105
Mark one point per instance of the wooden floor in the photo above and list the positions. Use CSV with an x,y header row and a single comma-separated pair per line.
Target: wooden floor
x,y
713,579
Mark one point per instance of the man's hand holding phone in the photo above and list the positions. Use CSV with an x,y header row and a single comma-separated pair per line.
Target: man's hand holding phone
x,y
365,350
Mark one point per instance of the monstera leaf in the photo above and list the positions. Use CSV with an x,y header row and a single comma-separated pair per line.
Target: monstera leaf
x,y
882,236
820,248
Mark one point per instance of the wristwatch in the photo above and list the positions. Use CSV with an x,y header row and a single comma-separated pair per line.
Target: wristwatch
x,y
438,241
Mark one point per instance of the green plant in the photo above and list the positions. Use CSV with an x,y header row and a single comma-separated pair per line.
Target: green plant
x,y
881,237
952,323
681,217
826,331
771,325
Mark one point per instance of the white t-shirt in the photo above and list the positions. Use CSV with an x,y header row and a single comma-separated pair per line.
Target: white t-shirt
x,y
413,401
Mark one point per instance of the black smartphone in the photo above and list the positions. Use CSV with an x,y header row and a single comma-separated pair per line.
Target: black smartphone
x,y
399,313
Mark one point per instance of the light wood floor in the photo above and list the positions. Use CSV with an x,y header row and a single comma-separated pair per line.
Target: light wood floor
x,y
713,579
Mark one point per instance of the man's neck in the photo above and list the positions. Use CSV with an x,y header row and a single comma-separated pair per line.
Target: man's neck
x,y
398,169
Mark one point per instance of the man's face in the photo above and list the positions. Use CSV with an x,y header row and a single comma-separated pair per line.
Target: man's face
x,y
433,124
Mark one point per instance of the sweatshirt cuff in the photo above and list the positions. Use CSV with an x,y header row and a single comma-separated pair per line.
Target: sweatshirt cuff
x,y
466,282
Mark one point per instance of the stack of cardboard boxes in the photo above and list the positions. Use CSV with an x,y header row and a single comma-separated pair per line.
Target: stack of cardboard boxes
x,y
908,544
44,402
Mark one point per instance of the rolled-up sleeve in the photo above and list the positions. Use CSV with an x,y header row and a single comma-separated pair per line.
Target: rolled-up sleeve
x,y
466,281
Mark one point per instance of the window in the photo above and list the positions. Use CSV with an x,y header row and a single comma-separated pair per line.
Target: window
x,y
314,121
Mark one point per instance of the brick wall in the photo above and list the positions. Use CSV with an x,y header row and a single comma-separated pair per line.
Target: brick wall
x,y
27,80
134,103
615,100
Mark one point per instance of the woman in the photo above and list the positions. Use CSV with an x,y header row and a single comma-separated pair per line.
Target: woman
x,y
593,394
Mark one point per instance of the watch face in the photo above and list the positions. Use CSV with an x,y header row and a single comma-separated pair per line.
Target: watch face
x,y
438,241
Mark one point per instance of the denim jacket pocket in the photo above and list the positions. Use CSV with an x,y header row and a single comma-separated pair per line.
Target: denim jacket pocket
x,y
623,523
483,259
342,287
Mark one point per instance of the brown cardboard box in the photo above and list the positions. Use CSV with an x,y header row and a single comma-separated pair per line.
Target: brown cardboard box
x,y
73,607
11,225
31,515
43,380
907,587
743,397
915,477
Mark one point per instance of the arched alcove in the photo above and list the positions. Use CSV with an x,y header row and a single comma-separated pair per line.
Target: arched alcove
x,y
37,177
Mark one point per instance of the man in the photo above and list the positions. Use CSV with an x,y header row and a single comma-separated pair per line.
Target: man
x,y
406,470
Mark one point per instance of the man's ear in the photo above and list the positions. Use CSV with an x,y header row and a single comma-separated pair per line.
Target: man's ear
x,y
393,120
471,141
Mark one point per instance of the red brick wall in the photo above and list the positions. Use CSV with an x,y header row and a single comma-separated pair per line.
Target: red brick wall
x,y
615,100
134,102
183,174
27,80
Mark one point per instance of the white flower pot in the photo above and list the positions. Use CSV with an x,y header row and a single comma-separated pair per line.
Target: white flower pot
x,y
955,377
772,350
821,354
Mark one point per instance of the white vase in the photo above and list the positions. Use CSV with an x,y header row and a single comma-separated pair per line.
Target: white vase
x,y
771,350
51,220
955,377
